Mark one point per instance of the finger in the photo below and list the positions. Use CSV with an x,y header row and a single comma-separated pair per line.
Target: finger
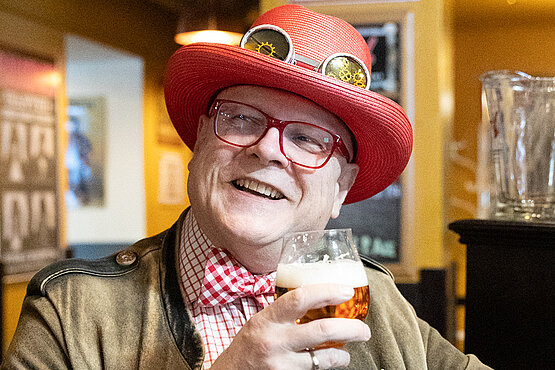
x,y
337,330
328,358
293,305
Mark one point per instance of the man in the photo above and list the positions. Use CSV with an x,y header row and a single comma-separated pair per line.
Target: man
x,y
279,145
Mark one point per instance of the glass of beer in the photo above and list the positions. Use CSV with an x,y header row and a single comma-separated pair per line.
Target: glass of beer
x,y
320,257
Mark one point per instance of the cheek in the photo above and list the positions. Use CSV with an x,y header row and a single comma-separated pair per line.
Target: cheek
x,y
202,140
203,173
194,181
319,189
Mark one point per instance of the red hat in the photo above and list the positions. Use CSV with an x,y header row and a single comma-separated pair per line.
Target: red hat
x,y
197,72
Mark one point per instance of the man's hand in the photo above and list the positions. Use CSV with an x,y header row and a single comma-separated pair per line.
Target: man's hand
x,y
271,339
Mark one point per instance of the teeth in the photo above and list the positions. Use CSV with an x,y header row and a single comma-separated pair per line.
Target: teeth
x,y
259,188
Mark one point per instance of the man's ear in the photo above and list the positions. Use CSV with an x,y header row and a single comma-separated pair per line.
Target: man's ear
x,y
344,183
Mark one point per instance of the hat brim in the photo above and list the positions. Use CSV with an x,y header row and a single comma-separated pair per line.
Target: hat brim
x,y
197,72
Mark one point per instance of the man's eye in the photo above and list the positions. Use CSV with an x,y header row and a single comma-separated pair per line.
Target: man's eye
x,y
304,139
307,142
236,118
241,117
247,120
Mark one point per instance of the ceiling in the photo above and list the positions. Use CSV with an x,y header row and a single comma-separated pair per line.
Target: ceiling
x,y
238,15
495,11
231,15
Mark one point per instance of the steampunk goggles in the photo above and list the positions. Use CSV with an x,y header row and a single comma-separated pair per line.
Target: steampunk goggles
x,y
273,41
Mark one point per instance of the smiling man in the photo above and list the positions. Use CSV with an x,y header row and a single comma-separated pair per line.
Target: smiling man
x,y
284,131
247,198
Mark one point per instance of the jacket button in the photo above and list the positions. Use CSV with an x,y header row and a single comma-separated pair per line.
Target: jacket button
x,y
126,258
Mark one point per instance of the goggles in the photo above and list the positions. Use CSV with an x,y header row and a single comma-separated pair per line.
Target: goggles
x,y
271,40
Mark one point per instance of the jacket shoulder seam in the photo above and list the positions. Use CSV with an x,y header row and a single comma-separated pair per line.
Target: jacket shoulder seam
x,y
72,270
104,267
373,264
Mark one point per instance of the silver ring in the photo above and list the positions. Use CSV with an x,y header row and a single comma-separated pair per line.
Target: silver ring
x,y
315,362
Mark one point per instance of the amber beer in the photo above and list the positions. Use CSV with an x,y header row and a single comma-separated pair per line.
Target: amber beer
x,y
346,272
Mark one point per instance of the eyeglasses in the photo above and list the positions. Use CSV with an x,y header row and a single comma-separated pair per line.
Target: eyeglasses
x,y
304,144
273,41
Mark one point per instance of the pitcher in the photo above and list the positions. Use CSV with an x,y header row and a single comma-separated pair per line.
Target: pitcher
x,y
521,110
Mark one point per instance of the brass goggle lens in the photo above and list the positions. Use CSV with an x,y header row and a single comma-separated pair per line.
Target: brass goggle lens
x,y
347,69
273,41
268,42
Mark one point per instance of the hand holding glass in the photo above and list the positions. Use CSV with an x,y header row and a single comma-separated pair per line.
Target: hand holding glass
x,y
321,257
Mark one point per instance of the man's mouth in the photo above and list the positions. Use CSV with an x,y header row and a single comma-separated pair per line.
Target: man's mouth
x,y
257,188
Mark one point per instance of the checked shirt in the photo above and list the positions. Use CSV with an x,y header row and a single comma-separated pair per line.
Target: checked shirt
x,y
218,291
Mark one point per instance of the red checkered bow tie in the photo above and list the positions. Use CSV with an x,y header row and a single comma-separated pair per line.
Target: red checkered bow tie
x,y
225,281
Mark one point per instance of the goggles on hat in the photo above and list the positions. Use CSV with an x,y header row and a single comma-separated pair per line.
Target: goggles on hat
x,y
273,41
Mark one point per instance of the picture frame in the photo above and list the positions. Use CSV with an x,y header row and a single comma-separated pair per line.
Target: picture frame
x,y
377,222
29,202
384,225
383,40
86,152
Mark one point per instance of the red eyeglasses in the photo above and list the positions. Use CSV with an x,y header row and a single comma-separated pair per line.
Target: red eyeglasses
x,y
302,143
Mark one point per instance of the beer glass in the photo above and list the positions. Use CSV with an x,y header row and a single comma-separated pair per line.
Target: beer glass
x,y
324,256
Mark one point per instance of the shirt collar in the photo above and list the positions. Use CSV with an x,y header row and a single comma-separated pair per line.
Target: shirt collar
x,y
194,251
193,254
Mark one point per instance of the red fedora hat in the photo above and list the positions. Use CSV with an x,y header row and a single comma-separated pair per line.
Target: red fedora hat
x,y
197,72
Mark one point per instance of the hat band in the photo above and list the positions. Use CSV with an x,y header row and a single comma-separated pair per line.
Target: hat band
x,y
273,41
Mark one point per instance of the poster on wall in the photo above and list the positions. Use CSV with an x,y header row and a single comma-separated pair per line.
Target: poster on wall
x,y
171,185
29,221
376,224
384,44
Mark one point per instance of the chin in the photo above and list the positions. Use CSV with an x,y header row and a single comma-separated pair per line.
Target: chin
x,y
256,230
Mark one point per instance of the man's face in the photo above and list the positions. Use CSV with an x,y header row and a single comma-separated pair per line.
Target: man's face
x,y
227,184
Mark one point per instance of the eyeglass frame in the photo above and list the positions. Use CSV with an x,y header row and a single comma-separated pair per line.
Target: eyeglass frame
x,y
292,57
280,126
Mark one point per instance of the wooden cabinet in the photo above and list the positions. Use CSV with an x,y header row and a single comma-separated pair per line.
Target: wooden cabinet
x,y
510,293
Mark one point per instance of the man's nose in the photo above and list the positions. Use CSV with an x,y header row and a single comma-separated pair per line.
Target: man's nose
x,y
268,150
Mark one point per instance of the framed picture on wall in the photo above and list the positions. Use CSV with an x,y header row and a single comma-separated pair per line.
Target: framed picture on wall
x,y
86,152
383,40
29,220
376,222
382,225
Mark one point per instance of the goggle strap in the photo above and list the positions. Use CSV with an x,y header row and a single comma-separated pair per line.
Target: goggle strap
x,y
311,62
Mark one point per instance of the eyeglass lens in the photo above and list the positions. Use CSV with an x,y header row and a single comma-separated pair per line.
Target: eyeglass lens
x,y
301,143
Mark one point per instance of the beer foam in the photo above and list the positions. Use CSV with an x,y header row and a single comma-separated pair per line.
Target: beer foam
x,y
345,272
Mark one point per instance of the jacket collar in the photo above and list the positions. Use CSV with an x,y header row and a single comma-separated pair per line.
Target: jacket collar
x,y
182,326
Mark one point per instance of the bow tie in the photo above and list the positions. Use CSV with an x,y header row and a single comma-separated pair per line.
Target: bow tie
x,y
225,281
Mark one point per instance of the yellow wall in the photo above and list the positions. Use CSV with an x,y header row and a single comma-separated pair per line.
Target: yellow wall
x,y
516,37
159,216
13,298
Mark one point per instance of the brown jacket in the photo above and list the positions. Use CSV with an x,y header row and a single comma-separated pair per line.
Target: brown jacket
x,y
126,312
